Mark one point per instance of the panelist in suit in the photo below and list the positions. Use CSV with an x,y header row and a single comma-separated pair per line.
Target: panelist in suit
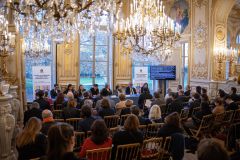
x,y
130,89
54,92
107,89
94,90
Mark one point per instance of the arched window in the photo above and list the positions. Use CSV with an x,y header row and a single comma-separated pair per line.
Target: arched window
x,y
238,39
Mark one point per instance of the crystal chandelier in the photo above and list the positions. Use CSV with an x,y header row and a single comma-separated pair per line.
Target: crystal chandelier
x,y
147,30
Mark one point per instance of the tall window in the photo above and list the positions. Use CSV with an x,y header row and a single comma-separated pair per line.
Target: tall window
x,y
95,60
185,64
238,39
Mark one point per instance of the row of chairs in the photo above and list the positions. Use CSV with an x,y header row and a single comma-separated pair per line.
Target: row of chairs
x,y
154,148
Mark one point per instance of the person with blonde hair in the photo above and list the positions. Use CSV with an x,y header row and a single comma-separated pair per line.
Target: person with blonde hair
x,y
155,114
71,111
30,142
121,104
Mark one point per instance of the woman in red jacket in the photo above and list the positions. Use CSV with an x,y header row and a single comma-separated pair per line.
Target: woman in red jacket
x,y
99,139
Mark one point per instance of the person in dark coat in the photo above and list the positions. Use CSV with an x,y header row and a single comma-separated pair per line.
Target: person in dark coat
x,y
54,92
172,128
143,121
194,103
105,109
69,89
48,121
71,111
86,123
107,90
233,93
41,101
127,110
33,111
130,134
143,97
145,87
31,143
158,100
175,105
230,104
94,90
187,91
130,89
81,90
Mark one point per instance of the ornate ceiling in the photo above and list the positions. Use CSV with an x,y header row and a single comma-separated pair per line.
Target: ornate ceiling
x,y
235,13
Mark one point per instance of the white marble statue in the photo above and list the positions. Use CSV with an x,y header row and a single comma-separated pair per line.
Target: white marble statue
x,y
7,126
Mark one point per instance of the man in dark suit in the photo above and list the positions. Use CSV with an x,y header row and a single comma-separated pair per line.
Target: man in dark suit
x,y
130,89
41,101
86,123
33,111
107,89
94,90
233,94
175,105
54,92
230,104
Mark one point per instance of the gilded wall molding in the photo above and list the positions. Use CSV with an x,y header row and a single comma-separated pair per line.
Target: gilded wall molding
x,y
200,3
200,35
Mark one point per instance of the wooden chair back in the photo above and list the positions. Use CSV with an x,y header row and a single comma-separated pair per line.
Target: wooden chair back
x,y
228,117
57,114
99,154
123,118
128,151
58,107
152,130
111,121
112,131
79,139
236,117
59,120
74,122
151,148
143,129
164,151
184,114
219,117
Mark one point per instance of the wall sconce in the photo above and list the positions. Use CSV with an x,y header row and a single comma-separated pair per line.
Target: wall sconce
x,y
232,57
220,57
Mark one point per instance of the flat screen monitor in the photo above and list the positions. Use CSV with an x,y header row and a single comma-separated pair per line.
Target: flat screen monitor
x,y
163,72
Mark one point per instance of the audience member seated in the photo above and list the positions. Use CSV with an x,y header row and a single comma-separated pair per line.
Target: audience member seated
x,y
48,121
230,104
121,104
169,99
194,103
69,89
71,111
81,90
167,96
219,108
155,114
175,105
130,89
94,90
143,97
145,88
130,134
204,98
86,123
181,96
30,142
59,100
222,94
99,139
33,111
187,91
107,89
233,93
118,90
199,90
104,95
49,100
105,110
204,91
210,149
158,100
127,109
179,88
41,101
61,141
136,111
86,96
172,128
70,96
88,102
196,119
54,92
